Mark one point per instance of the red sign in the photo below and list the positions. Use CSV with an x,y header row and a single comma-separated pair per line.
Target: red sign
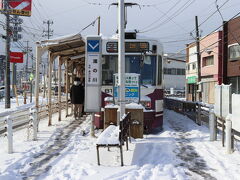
x,y
20,7
16,57
1,5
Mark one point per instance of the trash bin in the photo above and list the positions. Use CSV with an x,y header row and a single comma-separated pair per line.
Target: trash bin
x,y
136,126
110,116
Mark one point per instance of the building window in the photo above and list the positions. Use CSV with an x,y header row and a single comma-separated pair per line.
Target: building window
x,y
234,52
207,61
174,71
194,66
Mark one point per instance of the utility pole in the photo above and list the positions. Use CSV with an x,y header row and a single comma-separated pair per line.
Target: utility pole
x,y
27,50
121,56
99,21
16,28
49,33
198,56
7,51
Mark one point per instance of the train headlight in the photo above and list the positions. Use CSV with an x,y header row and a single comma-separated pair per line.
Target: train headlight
x,y
146,104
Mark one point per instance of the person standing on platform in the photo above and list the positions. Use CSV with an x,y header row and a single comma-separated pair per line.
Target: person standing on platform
x,y
77,97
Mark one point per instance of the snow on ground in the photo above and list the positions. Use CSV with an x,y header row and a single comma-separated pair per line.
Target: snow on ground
x,y
66,151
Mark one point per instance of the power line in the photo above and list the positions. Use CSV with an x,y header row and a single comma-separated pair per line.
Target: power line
x,y
91,24
213,13
205,47
171,8
175,14
223,21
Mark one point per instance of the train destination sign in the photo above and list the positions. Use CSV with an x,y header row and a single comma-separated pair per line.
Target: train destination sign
x,y
130,47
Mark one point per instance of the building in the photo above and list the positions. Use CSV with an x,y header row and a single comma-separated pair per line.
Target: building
x,y
211,65
191,73
231,50
174,72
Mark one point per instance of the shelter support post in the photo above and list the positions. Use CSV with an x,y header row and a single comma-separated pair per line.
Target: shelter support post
x,y
59,88
37,78
50,89
66,87
71,83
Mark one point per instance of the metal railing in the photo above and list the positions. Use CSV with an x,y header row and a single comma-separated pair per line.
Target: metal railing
x,y
20,118
202,113
197,111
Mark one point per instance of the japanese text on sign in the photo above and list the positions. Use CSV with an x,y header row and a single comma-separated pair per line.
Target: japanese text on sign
x,y
131,79
93,72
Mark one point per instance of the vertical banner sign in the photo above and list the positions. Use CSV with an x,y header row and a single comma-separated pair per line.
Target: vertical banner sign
x,y
93,74
19,7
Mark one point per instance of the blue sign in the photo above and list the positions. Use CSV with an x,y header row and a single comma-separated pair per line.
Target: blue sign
x,y
93,45
130,92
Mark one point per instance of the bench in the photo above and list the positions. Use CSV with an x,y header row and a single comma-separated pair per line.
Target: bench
x,y
114,136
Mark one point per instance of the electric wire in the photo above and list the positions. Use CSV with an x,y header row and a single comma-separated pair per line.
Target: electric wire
x,y
174,15
171,8
218,10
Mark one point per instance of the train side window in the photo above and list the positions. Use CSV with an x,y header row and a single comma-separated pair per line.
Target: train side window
x,y
159,70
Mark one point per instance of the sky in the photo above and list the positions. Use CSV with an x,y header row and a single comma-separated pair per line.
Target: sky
x,y
171,21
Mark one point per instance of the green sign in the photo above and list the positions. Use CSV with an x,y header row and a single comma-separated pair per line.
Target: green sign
x,y
192,80
31,77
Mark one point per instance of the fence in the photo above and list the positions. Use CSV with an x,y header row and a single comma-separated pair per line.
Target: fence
x,y
201,114
25,118
196,111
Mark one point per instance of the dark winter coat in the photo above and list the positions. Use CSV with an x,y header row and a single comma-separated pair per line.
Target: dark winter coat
x,y
77,94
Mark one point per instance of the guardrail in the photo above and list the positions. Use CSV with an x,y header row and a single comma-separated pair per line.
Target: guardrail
x,y
202,113
196,111
25,118
20,118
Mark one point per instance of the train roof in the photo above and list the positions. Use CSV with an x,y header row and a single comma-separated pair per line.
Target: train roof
x,y
137,37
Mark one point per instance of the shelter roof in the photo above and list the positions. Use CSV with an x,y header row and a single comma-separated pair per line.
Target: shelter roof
x,y
65,46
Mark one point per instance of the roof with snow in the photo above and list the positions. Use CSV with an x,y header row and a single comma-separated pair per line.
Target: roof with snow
x,y
65,46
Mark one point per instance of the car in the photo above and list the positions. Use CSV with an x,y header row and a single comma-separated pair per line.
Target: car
x,y
2,92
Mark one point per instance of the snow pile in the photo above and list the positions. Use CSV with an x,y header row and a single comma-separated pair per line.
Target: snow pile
x,y
134,106
109,136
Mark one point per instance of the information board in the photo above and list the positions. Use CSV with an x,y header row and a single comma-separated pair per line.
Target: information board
x,y
131,87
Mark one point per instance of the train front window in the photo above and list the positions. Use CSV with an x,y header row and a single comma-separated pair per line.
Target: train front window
x,y
147,68
133,64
